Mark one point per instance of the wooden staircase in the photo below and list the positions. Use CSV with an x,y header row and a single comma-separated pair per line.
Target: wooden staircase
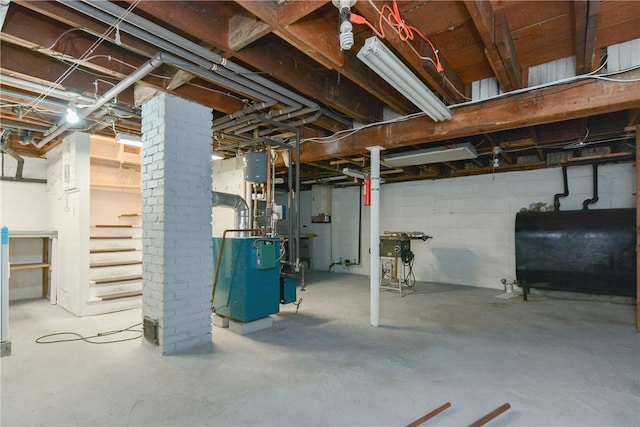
x,y
115,270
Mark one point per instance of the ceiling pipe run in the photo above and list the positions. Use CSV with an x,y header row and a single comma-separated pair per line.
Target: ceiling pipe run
x,y
145,69
166,40
18,83
245,81
234,80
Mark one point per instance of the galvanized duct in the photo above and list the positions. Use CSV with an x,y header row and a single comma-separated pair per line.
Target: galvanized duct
x,y
235,202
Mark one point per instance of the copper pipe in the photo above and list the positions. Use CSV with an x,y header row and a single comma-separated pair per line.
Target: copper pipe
x,y
430,415
219,263
491,415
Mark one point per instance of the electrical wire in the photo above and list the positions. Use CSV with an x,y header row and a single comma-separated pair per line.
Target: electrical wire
x,y
337,136
560,82
57,40
348,132
91,339
88,52
409,277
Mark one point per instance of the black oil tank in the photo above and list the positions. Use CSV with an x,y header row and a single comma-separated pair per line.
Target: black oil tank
x,y
591,251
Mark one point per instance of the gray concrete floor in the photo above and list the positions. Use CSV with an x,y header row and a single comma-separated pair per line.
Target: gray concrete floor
x,y
559,359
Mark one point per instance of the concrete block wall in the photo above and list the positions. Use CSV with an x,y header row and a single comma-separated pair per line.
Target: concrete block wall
x,y
472,218
176,218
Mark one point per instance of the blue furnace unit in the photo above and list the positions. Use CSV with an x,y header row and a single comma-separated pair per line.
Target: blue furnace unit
x,y
248,285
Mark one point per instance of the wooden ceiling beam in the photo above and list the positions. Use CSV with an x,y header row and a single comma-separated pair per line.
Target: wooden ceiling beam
x,y
483,18
244,29
507,49
344,96
586,13
319,41
59,13
113,62
453,92
292,12
39,68
312,37
548,105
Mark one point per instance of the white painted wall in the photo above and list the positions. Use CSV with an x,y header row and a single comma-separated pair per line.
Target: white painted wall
x,y
472,218
227,177
23,204
68,178
23,208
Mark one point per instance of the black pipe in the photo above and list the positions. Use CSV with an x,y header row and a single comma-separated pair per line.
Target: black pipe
x,y
556,197
594,199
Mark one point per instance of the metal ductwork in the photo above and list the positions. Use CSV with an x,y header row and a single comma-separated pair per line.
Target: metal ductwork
x,y
235,202
4,137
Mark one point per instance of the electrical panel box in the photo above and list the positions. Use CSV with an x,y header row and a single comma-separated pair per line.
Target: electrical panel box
x,y
266,254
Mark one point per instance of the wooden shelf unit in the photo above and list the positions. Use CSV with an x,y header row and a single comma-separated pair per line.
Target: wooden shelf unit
x,y
45,256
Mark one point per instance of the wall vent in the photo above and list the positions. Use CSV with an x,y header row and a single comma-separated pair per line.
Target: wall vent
x,y
150,330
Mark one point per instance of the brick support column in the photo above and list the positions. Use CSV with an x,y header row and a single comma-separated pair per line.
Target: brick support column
x,y
176,221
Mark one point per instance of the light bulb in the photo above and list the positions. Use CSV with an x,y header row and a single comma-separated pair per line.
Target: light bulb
x,y
72,115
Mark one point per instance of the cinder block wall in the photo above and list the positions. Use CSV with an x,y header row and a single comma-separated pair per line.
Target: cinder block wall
x,y
176,218
472,218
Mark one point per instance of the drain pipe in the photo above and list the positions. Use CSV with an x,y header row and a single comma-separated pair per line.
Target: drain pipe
x,y
594,199
556,197
144,69
4,137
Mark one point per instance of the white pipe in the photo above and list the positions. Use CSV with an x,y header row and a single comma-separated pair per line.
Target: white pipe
x,y
4,285
375,235
139,73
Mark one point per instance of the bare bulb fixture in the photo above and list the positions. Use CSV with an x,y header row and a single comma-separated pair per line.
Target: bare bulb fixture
x,y
72,115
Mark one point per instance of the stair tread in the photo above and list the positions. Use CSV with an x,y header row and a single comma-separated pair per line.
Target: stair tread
x,y
100,251
113,225
120,295
110,237
115,263
117,279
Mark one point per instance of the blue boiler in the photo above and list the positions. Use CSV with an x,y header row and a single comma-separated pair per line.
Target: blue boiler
x,y
248,286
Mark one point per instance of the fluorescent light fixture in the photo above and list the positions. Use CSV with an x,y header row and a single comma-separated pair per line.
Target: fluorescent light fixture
x,y
384,63
72,115
133,140
354,173
217,156
431,155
